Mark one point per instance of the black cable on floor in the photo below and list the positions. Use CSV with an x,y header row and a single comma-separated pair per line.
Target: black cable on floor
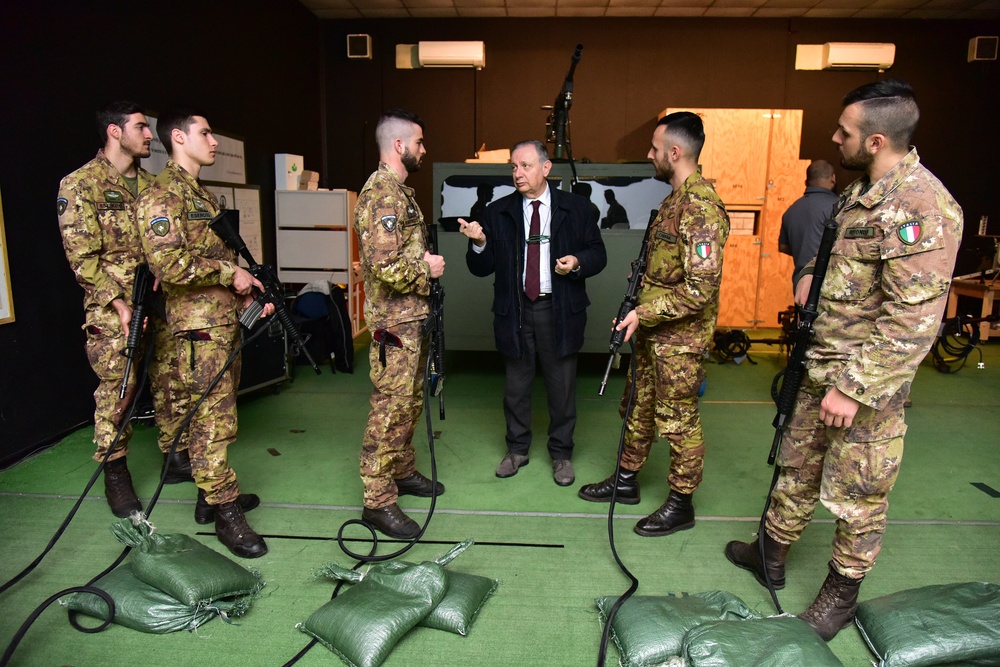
x,y
630,405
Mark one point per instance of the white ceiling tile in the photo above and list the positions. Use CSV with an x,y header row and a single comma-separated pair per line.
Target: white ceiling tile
x,y
679,12
630,11
433,12
481,12
563,10
729,12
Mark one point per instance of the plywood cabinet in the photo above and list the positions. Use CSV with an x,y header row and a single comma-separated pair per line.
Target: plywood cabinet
x,y
752,156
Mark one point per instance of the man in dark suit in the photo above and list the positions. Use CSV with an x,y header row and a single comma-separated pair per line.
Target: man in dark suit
x,y
542,244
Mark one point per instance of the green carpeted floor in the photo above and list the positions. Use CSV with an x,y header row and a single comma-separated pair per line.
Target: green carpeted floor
x,y
298,449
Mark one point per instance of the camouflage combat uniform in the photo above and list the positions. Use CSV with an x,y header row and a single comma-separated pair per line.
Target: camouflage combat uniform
x,y
95,210
392,239
879,310
196,270
677,308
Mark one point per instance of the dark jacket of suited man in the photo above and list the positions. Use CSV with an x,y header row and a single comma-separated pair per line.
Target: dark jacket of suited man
x,y
572,232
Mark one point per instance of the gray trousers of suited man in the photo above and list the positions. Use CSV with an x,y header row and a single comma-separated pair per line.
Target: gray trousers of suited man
x,y
560,385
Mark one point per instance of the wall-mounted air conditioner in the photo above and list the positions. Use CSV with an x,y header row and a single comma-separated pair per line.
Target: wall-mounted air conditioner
x,y
845,55
451,54
858,55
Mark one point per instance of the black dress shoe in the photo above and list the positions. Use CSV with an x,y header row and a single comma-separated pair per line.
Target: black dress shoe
x,y
418,485
205,513
178,466
392,521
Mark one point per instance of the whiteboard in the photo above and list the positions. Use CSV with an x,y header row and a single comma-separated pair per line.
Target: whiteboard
x,y
246,200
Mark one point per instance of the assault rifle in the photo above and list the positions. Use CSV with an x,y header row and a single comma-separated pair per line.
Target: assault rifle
x,y
142,296
226,225
557,125
434,328
629,301
791,376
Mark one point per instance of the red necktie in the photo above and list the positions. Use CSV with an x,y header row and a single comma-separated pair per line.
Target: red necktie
x,y
531,278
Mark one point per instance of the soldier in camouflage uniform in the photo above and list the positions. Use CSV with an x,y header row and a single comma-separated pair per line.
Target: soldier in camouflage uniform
x,y
879,310
204,289
96,207
398,268
673,324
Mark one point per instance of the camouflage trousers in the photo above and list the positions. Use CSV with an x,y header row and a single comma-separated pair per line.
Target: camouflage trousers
x,y
666,404
397,400
201,356
171,401
850,470
104,352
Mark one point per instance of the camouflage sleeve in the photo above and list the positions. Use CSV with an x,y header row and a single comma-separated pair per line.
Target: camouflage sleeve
x,y
384,240
162,218
701,231
915,279
83,240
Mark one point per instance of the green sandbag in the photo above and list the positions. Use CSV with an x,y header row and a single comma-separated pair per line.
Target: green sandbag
x,y
465,596
778,641
146,608
364,623
183,567
650,629
934,625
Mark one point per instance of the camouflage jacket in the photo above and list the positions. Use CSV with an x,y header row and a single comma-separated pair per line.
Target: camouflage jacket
x,y
887,282
392,240
193,264
96,212
679,299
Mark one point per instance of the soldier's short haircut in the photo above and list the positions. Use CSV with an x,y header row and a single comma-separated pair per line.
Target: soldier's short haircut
x,y
116,113
687,128
818,170
887,107
543,153
173,119
395,124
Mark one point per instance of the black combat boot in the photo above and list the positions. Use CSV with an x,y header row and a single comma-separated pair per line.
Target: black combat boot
x,y
418,485
392,521
119,490
834,606
205,513
232,529
675,514
747,556
600,492
178,467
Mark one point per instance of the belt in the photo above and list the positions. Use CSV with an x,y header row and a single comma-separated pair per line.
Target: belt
x,y
543,297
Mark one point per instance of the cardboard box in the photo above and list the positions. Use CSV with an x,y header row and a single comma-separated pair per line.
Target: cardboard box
x,y
287,168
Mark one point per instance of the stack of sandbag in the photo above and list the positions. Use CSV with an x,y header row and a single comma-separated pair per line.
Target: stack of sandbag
x,y
366,620
168,583
710,629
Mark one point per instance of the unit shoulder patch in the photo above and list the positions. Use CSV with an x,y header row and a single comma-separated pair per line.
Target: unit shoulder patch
x,y
61,205
703,249
160,226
